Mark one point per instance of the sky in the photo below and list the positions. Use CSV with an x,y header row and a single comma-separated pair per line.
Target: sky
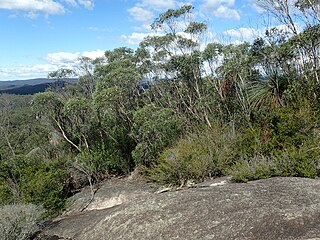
x,y
40,36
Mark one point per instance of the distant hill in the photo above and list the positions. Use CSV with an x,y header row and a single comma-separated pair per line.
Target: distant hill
x,y
30,86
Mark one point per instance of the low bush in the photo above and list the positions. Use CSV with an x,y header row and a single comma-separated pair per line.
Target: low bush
x,y
19,221
285,144
294,162
195,157
34,181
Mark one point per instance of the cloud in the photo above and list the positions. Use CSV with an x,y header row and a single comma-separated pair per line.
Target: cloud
x,y
135,38
71,2
255,6
54,61
24,72
97,29
88,4
225,12
61,58
144,10
44,6
243,33
68,59
140,14
221,8
47,7
249,34
94,54
159,4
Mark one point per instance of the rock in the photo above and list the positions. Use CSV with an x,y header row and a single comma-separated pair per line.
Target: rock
x,y
78,179
136,175
110,194
277,208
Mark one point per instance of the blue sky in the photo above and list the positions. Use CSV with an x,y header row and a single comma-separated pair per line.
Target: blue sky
x,y
39,36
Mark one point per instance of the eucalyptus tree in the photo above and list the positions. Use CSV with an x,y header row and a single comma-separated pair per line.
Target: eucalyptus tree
x,y
178,64
310,10
301,17
116,97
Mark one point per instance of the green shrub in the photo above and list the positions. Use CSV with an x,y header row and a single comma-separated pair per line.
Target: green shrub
x,y
285,143
154,129
19,221
6,195
102,161
35,181
46,187
195,157
294,162
256,168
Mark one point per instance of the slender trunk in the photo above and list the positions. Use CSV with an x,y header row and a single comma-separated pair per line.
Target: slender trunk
x,y
65,136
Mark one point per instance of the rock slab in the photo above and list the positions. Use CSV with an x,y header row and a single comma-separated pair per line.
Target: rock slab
x,y
276,208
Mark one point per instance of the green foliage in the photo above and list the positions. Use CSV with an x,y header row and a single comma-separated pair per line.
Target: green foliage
x,y
48,103
6,196
171,14
45,187
195,157
196,28
19,221
253,169
101,162
293,162
35,181
154,128
18,131
285,144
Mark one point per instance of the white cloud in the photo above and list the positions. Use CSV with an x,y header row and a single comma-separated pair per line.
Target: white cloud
x,y
243,33
88,4
45,6
216,3
136,38
23,72
159,4
68,59
221,8
61,58
94,54
97,29
71,2
140,14
249,34
226,12
255,6
54,61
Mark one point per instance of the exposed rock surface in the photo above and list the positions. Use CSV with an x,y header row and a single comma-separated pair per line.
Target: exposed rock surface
x,y
277,208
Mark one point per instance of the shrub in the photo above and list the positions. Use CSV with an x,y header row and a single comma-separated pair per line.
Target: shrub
x,y
35,181
6,195
255,168
19,221
101,161
46,187
285,144
154,129
195,157
294,162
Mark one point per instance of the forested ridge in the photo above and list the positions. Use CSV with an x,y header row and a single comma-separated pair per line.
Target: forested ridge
x,y
175,108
